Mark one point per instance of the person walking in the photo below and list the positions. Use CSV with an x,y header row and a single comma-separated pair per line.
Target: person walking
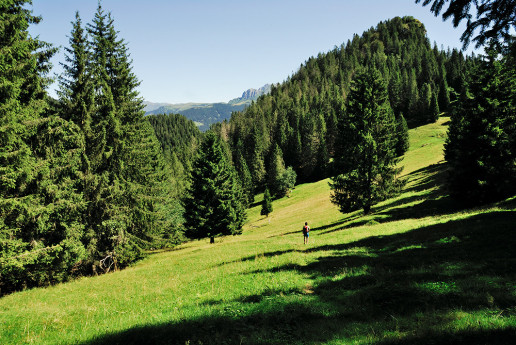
x,y
306,233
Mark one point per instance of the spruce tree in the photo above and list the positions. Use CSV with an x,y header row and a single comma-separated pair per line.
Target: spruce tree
x,y
21,105
257,163
246,180
76,88
444,92
275,171
425,103
61,146
402,136
478,148
366,159
434,112
123,173
105,221
77,105
494,19
286,182
266,203
213,205
40,228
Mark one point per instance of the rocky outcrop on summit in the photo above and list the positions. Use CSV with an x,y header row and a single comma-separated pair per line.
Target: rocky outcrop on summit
x,y
255,93
251,95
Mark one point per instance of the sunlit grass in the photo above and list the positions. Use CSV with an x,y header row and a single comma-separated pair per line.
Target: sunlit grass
x,y
417,268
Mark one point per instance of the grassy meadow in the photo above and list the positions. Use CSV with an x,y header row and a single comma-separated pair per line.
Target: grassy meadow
x,y
418,269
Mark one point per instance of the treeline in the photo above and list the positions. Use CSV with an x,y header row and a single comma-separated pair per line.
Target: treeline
x,y
84,184
299,119
205,115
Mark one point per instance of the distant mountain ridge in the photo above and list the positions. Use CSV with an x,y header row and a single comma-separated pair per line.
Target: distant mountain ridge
x,y
205,114
252,94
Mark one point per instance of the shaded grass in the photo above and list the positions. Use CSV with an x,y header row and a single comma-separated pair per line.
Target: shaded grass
x,y
419,269
440,281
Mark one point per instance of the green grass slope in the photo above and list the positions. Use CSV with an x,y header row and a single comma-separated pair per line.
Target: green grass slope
x,y
418,269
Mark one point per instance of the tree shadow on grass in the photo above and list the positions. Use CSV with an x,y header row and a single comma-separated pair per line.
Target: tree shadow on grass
x,y
326,228
435,201
463,264
508,204
285,325
337,224
495,336
259,256
406,288
432,176
429,198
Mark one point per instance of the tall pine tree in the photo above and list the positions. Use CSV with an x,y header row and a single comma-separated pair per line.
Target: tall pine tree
x,y
366,160
123,170
479,146
40,228
214,202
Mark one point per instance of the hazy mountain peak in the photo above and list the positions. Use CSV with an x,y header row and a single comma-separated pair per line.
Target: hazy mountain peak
x,y
252,94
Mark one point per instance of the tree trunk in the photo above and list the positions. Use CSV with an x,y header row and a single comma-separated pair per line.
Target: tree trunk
x,y
212,239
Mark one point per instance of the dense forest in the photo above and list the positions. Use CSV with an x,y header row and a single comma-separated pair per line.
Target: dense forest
x,y
85,187
179,139
89,184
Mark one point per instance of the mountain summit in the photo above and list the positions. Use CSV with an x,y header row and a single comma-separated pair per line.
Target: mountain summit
x,y
252,94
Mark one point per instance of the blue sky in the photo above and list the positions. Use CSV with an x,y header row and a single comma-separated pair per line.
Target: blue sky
x,y
212,51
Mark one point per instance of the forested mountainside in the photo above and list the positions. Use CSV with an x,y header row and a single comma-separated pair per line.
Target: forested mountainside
x,y
202,115
179,138
301,115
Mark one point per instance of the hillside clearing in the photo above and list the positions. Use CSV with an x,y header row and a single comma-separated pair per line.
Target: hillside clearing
x,y
417,268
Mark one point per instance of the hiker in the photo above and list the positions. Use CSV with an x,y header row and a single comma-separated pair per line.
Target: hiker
x,y
306,231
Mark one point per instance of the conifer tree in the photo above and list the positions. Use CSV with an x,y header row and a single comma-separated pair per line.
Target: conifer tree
x,y
494,18
402,136
366,162
444,93
40,228
213,205
478,147
246,180
286,182
425,102
123,170
266,203
21,104
76,88
275,171
433,114
257,164
77,104
412,94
